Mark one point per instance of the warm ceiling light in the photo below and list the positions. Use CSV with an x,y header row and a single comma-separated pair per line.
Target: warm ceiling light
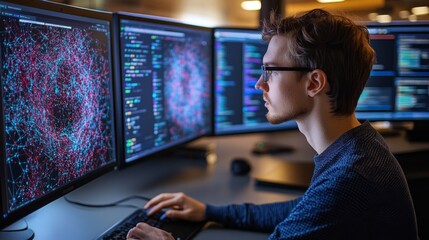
x,y
329,1
412,18
373,16
420,10
197,20
251,5
384,18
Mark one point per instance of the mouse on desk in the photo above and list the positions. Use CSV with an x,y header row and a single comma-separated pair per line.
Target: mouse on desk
x,y
240,166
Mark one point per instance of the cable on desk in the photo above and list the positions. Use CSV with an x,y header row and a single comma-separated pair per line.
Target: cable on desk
x,y
113,204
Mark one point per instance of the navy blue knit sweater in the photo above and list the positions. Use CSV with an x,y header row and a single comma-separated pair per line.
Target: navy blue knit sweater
x,y
358,191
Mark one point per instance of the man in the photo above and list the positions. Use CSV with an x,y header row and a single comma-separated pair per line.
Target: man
x,y
315,69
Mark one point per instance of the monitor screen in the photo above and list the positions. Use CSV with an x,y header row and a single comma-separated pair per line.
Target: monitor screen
x,y
166,83
398,87
239,107
57,125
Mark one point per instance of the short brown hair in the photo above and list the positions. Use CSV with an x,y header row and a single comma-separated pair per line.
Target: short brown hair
x,y
332,43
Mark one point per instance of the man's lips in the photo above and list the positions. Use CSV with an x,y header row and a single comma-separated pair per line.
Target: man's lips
x,y
265,100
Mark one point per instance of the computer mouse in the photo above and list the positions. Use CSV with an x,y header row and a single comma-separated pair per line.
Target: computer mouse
x,y
240,166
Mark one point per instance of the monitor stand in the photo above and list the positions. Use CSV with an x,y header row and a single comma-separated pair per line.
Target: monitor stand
x,y
17,231
263,147
419,132
26,234
284,174
193,152
204,153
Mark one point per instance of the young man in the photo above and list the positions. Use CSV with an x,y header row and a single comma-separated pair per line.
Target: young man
x,y
315,69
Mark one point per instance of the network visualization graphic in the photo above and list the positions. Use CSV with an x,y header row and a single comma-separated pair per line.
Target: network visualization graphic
x,y
56,104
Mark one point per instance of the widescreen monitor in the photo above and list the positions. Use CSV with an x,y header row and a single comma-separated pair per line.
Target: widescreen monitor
x,y
398,87
57,125
239,107
166,81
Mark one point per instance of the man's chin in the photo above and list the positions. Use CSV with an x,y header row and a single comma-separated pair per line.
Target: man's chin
x,y
275,119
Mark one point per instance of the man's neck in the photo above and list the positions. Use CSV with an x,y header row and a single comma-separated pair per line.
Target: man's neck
x,y
323,131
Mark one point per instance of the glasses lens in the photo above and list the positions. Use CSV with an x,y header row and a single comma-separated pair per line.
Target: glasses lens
x,y
266,75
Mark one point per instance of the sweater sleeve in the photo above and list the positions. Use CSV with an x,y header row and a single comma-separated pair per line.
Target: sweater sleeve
x,y
333,208
248,216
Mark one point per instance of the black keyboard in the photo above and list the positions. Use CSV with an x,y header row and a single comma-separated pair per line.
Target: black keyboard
x,y
181,230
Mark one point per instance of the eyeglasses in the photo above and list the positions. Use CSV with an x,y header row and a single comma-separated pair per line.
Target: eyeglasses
x,y
267,71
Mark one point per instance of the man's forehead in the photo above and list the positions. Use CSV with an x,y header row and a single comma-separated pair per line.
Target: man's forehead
x,y
277,49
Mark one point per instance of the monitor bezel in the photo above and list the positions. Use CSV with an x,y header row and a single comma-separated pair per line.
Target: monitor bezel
x,y
19,213
405,24
151,19
291,125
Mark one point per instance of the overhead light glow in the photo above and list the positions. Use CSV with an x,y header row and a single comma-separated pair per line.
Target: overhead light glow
x,y
251,5
384,18
372,16
198,20
420,10
412,18
329,1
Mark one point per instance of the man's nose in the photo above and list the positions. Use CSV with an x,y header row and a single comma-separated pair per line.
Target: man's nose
x,y
260,84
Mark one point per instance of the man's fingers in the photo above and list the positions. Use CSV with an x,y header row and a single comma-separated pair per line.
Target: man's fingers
x,y
176,214
135,233
161,197
170,203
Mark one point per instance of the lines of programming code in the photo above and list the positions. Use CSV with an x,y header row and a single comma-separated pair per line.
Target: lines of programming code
x,y
399,83
413,55
239,106
412,96
378,95
253,105
229,91
166,86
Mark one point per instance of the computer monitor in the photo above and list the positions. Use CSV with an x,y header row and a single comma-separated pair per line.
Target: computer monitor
x,y
398,87
239,107
166,80
57,125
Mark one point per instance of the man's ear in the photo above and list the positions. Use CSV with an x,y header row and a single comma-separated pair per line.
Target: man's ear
x,y
317,82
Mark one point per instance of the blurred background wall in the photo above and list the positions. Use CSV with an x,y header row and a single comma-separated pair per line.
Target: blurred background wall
x,y
232,13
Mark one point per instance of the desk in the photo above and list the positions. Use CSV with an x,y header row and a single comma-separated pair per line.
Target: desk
x,y
211,183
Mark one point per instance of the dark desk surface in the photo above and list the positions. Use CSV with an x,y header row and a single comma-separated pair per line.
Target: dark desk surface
x,y
209,182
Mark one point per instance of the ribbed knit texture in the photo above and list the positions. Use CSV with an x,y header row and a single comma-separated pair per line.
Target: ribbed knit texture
x,y
358,191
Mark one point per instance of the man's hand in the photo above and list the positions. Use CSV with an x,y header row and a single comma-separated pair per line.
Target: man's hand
x,y
144,231
180,206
